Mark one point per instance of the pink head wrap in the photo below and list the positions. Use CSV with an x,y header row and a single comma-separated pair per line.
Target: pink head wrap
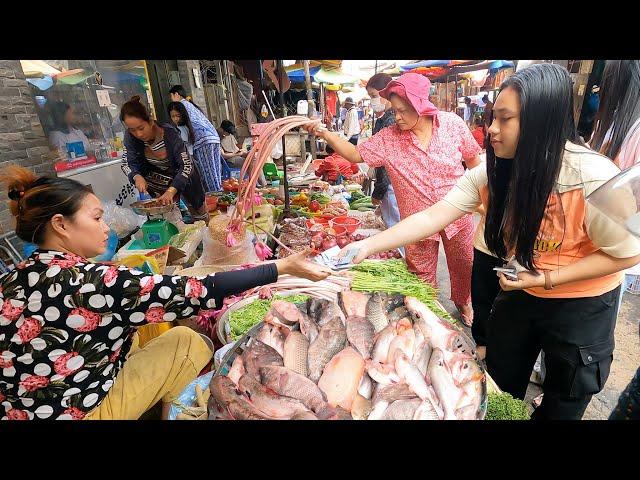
x,y
413,88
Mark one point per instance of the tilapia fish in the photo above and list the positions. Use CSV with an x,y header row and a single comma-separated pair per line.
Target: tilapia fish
x,y
427,411
267,401
272,336
257,355
304,416
286,312
322,311
333,413
440,377
354,304
376,312
331,339
296,349
401,410
231,402
308,327
464,368
360,333
341,378
290,384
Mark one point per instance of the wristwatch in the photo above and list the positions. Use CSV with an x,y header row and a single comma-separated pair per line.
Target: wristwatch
x,y
547,280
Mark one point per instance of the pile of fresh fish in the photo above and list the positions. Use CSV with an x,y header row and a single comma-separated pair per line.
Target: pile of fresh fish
x,y
370,356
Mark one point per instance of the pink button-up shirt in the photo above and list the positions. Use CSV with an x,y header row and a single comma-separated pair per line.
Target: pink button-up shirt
x,y
422,178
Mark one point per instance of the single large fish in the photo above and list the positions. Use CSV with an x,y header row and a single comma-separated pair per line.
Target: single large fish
x,y
382,342
341,378
410,374
323,311
286,312
401,410
267,401
464,368
331,339
439,334
296,349
360,333
231,403
376,312
257,355
469,404
440,377
354,304
272,336
291,384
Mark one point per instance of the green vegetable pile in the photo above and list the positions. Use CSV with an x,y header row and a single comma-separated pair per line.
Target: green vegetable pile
x,y
502,406
321,198
392,276
361,202
243,319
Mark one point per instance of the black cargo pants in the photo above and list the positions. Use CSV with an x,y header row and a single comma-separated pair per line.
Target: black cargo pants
x,y
485,286
576,335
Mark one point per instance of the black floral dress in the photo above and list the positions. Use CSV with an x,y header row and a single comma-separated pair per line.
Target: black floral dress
x,y
66,325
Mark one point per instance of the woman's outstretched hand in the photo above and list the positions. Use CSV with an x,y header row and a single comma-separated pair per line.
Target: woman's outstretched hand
x,y
298,266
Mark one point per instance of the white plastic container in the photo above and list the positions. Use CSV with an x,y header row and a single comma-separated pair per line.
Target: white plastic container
x,y
303,107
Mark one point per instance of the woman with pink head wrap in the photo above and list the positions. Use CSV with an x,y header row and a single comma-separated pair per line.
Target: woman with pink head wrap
x,y
423,155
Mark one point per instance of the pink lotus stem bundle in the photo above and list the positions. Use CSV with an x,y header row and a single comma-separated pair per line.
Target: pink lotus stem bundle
x,y
256,159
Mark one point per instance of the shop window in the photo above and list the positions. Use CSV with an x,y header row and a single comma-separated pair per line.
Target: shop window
x,y
78,103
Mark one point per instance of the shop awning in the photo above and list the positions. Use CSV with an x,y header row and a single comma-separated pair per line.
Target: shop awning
x,y
43,83
37,68
298,74
73,77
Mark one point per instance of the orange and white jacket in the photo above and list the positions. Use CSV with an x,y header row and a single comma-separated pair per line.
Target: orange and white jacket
x,y
571,228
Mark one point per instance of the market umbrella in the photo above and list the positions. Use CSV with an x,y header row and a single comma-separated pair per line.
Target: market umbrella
x,y
334,76
73,77
37,68
425,63
298,74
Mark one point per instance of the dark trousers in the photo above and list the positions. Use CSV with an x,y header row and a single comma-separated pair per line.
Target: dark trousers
x,y
576,335
485,286
354,139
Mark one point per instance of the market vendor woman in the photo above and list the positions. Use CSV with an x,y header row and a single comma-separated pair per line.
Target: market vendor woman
x,y
156,160
67,325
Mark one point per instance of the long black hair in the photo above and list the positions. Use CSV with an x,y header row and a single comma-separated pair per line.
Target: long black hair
x,y
546,124
179,89
184,117
619,105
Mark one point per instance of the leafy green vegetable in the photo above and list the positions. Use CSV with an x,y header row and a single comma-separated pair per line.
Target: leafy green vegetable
x,y
502,406
392,276
243,319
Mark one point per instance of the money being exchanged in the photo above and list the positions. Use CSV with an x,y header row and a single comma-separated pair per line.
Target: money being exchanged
x,y
329,258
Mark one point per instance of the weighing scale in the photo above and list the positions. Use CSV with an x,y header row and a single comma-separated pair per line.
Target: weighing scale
x,y
157,230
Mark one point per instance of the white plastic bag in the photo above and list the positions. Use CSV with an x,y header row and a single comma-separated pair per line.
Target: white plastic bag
x,y
277,151
122,220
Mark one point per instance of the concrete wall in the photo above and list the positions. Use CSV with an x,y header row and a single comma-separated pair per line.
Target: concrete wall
x,y
185,67
22,139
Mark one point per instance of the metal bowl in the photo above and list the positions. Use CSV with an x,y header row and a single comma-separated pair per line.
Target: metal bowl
x,y
150,207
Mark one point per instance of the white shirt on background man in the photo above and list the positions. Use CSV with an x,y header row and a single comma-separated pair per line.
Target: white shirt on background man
x,y
351,125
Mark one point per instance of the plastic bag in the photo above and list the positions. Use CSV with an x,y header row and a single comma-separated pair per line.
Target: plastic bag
x,y
188,395
277,151
215,250
122,220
